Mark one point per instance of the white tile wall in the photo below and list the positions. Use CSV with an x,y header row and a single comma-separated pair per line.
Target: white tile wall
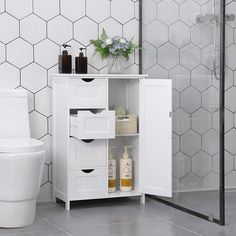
x,y
32,32
176,47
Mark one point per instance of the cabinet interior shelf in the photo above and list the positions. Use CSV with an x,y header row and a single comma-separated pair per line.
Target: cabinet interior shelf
x,y
124,194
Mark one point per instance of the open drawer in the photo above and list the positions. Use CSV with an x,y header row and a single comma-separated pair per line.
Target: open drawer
x,y
87,125
88,93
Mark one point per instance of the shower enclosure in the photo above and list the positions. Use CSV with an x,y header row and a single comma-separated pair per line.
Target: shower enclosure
x,y
185,41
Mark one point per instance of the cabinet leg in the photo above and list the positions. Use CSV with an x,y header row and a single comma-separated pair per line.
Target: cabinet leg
x,y
68,205
142,199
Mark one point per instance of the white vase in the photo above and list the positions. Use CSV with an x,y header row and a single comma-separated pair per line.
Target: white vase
x,y
116,64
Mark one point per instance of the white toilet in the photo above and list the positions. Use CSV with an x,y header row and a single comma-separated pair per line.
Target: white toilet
x,y
21,161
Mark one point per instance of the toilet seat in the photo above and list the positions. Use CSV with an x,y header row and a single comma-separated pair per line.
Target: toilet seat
x,y
20,145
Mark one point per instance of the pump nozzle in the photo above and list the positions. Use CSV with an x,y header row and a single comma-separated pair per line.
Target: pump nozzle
x,y
66,45
126,154
81,54
110,153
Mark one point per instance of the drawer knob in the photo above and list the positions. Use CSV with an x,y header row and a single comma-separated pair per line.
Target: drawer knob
x,y
88,80
88,171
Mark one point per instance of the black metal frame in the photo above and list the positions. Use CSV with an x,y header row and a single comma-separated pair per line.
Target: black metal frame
x,y
221,220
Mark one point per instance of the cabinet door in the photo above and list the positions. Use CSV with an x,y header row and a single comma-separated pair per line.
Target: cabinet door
x,y
155,137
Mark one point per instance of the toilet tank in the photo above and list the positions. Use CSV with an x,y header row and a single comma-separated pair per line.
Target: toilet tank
x,y
14,118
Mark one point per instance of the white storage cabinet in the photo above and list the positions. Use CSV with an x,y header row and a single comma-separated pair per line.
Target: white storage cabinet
x,y
84,128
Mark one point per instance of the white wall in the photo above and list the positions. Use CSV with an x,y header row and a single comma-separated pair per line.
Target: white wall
x,y
30,39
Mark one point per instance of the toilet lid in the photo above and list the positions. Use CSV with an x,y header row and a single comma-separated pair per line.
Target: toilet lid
x,y
20,145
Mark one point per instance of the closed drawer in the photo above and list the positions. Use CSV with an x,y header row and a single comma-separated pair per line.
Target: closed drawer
x,y
88,183
87,125
87,154
88,94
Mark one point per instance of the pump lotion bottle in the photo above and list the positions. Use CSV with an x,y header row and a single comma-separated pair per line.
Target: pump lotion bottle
x,y
112,172
65,61
81,63
126,180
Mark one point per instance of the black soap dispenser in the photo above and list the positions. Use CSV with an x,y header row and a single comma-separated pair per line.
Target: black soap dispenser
x,y
81,63
65,61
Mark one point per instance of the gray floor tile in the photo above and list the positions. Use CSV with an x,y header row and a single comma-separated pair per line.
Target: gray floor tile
x,y
39,225
202,227
40,233
150,228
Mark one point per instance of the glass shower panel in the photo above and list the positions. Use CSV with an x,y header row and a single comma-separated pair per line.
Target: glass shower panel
x,y
181,43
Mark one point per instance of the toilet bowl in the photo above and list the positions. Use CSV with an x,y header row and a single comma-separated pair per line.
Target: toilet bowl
x,y
21,162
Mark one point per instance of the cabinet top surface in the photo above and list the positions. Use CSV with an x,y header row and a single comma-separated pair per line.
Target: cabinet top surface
x,y
99,76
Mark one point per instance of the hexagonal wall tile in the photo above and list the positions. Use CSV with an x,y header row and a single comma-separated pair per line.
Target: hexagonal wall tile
x,y
210,142
73,9
85,25
2,52
45,175
9,28
112,27
210,99
157,33
190,56
229,120
38,125
47,141
149,55
188,11
95,14
122,10
58,25
230,179
230,54
131,29
181,165
231,9
168,11
19,9
179,34
190,100
168,56
201,121
180,77
190,143
28,25
201,164
210,181
230,138
34,77
156,71
230,98
2,6
208,59
202,35
181,121
175,143
201,78
45,193
175,100
46,53
229,162
149,11
46,9
43,102
20,53
190,182
10,76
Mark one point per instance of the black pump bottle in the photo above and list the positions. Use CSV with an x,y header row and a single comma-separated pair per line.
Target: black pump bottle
x,y
65,61
81,63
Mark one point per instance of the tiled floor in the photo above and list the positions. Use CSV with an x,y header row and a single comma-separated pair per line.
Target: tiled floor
x,y
121,217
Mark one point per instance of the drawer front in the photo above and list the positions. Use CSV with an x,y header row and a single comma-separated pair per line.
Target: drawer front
x,y
86,155
88,184
91,94
86,125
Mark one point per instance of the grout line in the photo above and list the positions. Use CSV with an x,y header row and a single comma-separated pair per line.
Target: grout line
x,y
45,219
